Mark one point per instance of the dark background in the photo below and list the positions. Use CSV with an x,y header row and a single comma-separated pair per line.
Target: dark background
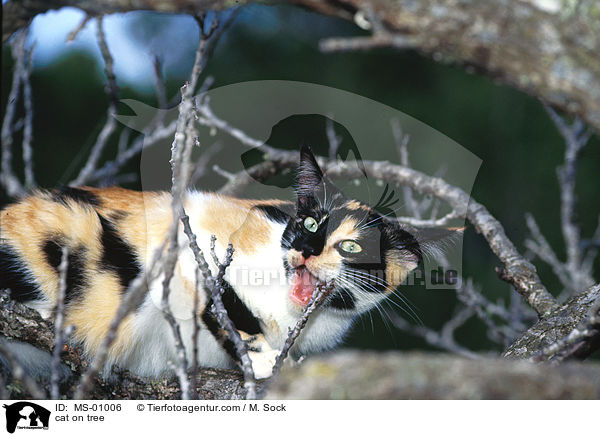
x,y
511,133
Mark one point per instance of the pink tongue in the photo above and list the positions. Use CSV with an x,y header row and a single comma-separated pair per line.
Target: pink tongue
x,y
303,286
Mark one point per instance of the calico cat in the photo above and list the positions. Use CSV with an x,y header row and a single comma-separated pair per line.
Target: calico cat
x,y
281,250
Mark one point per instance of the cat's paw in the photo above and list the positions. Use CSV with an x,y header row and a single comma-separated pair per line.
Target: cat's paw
x,y
263,362
256,343
262,355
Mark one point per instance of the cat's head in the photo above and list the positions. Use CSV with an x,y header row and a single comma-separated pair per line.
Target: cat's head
x,y
337,239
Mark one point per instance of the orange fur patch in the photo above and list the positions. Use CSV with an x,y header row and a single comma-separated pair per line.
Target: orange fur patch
x,y
93,316
355,205
235,221
27,225
346,230
398,264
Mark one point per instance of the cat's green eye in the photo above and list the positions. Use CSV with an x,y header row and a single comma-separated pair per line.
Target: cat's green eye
x,y
311,224
350,247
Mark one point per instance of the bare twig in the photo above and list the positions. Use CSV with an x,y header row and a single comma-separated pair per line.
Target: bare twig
x,y
321,292
28,122
155,134
207,117
204,160
225,321
333,138
367,19
156,131
541,248
366,43
575,138
255,174
591,246
196,331
73,34
123,140
112,90
443,339
59,317
402,146
198,254
576,272
203,46
184,139
181,150
223,173
218,309
486,311
443,221
159,83
169,268
11,183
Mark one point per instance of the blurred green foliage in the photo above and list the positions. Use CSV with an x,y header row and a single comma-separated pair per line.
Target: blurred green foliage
x,y
507,129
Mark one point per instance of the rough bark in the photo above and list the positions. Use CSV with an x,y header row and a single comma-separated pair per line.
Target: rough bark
x,y
547,48
394,375
557,325
364,375
212,384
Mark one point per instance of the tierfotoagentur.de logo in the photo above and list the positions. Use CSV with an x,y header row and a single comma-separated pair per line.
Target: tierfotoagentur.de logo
x,y
25,415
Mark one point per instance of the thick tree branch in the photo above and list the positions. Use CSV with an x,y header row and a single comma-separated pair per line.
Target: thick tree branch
x,y
394,375
555,327
547,49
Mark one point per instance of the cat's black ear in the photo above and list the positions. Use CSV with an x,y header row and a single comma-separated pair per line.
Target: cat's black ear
x,y
310,176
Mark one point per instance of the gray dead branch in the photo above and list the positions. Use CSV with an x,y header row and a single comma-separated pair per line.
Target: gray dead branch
x,y
547,49
394,375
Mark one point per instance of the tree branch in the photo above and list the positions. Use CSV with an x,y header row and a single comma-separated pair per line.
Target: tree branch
x,y
11,183
556,326
112,91
395,375
547,49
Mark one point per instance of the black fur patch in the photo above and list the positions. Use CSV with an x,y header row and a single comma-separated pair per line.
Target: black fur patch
x,y
53,252
238,312
280,214
76,279
210,321
118,255
15,276
297,237
65,193
342,300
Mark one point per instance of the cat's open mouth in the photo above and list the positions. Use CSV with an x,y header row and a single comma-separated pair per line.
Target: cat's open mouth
x,y
303,286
